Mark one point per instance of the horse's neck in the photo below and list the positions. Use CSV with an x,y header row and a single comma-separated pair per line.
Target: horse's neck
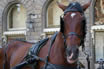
x,y
58,50
59,42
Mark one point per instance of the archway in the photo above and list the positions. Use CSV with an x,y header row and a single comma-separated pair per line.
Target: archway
x,y
51,16
14,21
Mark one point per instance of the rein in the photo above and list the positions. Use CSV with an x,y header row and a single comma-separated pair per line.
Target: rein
x,y
49,50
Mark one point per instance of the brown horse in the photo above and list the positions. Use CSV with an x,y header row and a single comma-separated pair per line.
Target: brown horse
x,y
16,51
65,49
3,59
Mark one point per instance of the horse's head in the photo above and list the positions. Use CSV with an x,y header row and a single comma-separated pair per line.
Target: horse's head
x,y
73,29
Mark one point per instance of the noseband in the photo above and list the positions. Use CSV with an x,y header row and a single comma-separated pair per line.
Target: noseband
x,y
72,33
73,7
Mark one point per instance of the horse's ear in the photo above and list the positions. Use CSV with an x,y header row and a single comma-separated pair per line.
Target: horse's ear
x,y
86,5
63,7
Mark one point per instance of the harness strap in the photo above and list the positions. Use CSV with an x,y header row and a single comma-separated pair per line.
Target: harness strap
x,y
75,5
52,41
49,50
72,33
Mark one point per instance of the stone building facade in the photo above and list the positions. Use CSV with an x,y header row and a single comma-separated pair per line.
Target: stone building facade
x,y
33,20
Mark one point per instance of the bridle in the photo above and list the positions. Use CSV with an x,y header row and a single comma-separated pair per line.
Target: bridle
x,y
76,5
77,8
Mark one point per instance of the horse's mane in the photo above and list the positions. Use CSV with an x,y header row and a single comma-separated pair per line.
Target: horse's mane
x,y
83,31
61,25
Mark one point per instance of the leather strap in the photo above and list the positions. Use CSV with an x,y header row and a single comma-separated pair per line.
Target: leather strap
x,y
49,50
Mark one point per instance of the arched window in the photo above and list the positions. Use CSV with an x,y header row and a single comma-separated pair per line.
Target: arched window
x,y
16,22
53,14
99,12
16,18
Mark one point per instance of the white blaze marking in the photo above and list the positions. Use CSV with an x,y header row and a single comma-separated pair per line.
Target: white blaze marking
x,y
73,14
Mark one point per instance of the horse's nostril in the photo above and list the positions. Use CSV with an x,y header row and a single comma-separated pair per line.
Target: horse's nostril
x,y
68,51
77,51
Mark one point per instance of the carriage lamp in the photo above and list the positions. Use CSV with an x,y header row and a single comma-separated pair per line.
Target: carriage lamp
x,y
18,7
31,20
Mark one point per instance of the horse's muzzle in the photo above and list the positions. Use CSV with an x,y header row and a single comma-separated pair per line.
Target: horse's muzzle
x,y
72,53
